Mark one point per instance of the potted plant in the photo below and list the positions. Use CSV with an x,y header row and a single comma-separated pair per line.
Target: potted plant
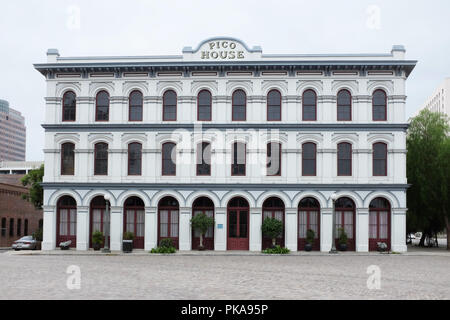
x,y
37,235
127,242
310,235
272,228
343,239
97,240
201,222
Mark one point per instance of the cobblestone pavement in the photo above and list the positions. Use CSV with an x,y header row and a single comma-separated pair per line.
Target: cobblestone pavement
x,y
224,277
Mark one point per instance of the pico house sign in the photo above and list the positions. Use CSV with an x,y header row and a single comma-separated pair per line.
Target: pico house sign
x,y
221,49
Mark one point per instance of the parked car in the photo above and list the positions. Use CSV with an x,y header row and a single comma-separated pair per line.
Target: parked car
x,y
25,243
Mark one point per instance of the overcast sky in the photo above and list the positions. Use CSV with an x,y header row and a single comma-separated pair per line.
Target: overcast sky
x,y
147,27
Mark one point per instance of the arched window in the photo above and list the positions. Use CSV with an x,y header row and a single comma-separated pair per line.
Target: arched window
x,y
379,105
239,106
169,106
204,103
379,162
101,158
135,159
309,159
169,160
238,157
308,219
203,205
25,227
66,220
11,227
169,217
3,227
204,159
19,227
69,106
102,106
309,101
99,219
379,223
274,105
133,220
344,155
344,105
68,159
238,224
273,159
273,208
136,103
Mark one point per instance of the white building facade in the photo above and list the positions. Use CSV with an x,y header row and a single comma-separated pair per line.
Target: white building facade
x,y
228,131
439,101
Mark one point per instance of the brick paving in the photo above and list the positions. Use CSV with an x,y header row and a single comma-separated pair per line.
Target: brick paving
x,y
145,276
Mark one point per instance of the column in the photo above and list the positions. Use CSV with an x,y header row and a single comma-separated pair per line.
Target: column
x,y
362,230
255,229
326,229
185,232
291,229
49,236
83,228
220,231
116,228
398,230
151,228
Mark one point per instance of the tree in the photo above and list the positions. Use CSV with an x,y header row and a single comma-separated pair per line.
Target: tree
x,y
428,172
33,179
272,228
201,222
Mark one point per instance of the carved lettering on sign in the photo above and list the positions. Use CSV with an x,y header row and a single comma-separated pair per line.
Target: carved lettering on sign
x,y
221,50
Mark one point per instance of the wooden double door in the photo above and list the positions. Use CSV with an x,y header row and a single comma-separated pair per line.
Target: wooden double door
x,y
238,225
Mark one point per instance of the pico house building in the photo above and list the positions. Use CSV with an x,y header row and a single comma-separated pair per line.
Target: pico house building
x,y
226,130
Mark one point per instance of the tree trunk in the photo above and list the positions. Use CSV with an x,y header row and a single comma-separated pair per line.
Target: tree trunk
x,y
201,240
274,241
447,223
422,240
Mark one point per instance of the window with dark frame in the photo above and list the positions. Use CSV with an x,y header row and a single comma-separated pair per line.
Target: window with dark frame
x,y
68,159
204,159
379,159
25,227
274,105
239,105
3,227
379,105
273,159
135,159
136,103
344,155
69,106
101,159
309,102
102,106
170,106
11,227
204,105
309,159
19,227
238,156
344,105
169,167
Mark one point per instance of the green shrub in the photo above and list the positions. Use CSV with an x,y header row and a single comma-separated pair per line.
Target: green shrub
x,y
343,238
166,243
37,235
128,235
163,250
277,250
97,237
272,228
310,235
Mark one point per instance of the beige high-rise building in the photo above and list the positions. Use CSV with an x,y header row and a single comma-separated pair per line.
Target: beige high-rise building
x,y
439,101
12,133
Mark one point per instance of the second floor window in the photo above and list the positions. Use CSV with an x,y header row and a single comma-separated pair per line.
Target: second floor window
x,y
102,106
136,102
309,159
101,158
170,106
238,157
344,155
204,106
379,159
69,106
135,159
274,106
68,159
309,102
204,159
379,106
169,151
344,106
239,106
273,159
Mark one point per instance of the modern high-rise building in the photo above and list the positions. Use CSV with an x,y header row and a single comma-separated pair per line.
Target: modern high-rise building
x,y
12,133
439,101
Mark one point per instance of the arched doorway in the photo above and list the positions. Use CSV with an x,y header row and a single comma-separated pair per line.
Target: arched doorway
x,y
206,206
168,220
308,219
345,219
99,219
273,208
134,220
66,221
238,224
379,223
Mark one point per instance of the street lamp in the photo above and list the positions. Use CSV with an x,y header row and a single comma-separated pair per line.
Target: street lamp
x,y
106,228
334,197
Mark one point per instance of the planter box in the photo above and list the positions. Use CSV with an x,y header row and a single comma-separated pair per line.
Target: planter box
x,y
127,246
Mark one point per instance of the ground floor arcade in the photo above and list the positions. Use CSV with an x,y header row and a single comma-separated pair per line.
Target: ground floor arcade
x,y
367,216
